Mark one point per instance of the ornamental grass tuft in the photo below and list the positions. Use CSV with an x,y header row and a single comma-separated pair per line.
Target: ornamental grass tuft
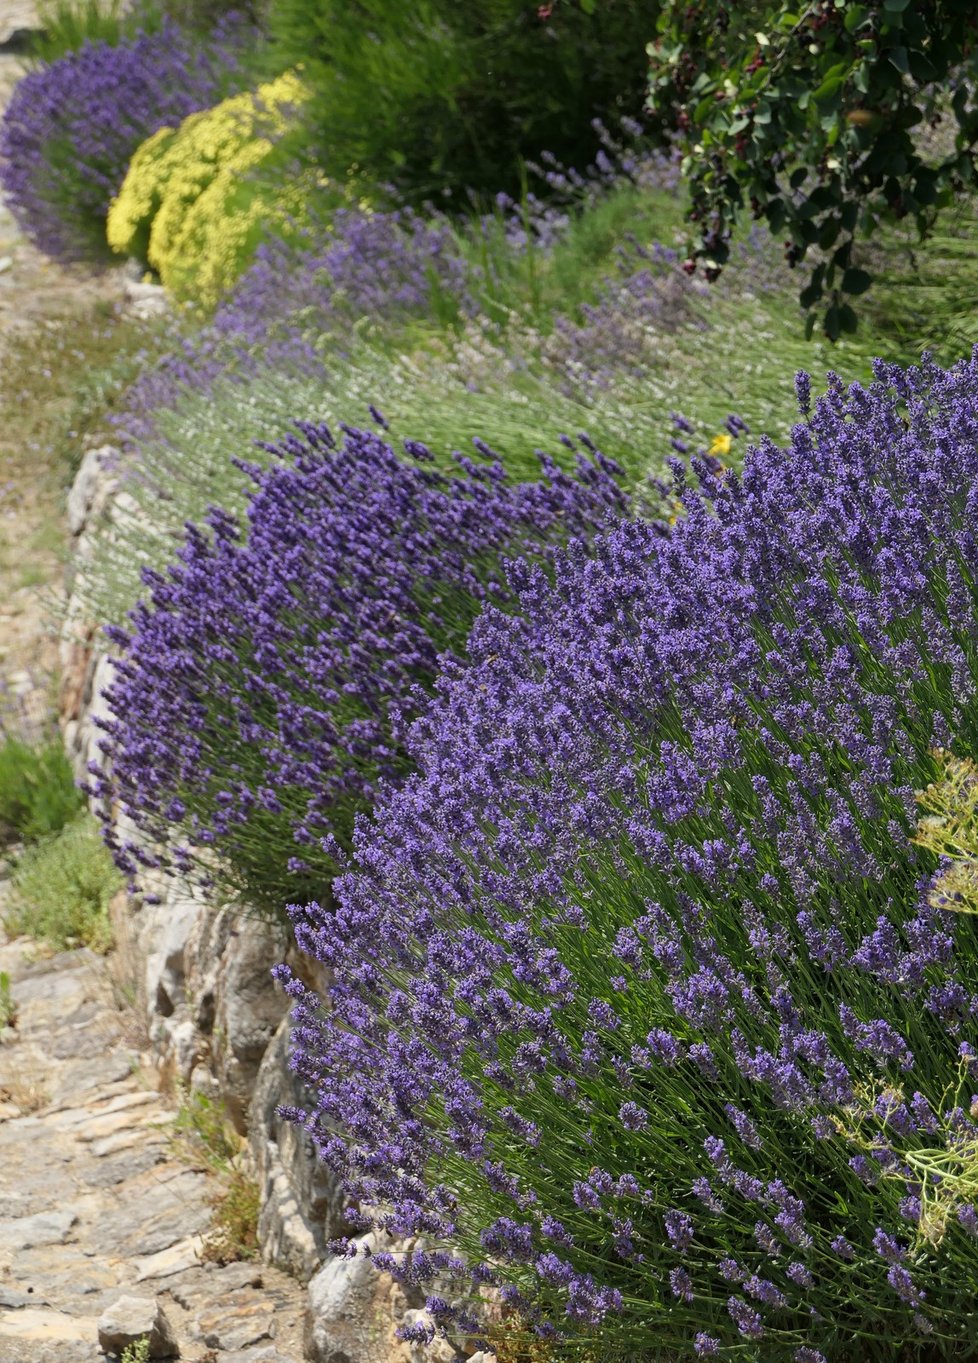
x,y
264,686
642,1000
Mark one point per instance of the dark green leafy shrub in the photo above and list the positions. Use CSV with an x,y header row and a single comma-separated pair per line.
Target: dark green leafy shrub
x,y
432,95
810,117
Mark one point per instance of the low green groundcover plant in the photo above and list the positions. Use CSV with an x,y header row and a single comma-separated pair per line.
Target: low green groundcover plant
x,y
38,795
647,1009
62,887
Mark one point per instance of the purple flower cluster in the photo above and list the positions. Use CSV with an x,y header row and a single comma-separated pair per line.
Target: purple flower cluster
x,y
263,690
653,890
70,129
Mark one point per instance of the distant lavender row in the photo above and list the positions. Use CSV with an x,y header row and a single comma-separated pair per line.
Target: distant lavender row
x,y
71,127
361,266
642,1001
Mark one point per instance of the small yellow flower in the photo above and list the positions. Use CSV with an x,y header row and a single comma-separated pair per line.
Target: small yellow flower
x,y
722,445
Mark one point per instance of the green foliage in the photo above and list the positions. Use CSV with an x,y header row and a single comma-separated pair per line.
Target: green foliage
x,y
137,1352
202,1126
8,1006
38,796
435,96
814,118
66,25
205,1133
62,887
233,1232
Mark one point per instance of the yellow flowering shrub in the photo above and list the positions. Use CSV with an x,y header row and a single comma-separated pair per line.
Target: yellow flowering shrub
x,y
198,199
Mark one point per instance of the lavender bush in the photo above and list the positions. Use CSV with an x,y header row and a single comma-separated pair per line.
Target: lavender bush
x,y
264,687
641,1001
71,127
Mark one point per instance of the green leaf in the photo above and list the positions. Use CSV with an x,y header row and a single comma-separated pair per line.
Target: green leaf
x,y
898,58
828,235
809,326
777,215
895,6
832,325
855,17
856,281
832,82
848,321
589,6
810,294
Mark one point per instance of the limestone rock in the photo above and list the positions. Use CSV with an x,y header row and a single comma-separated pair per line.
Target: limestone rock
x,y
146,300
92,486
131,1319
166,969
302,1202
31,1232
353,1311
249,1008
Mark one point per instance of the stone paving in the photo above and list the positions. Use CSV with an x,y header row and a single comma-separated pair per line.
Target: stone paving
x,y
95,1203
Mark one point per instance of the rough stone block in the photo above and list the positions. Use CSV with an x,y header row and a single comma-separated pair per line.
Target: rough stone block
x,y
131,1319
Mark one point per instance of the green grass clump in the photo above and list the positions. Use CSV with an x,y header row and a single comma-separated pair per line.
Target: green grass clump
x,y
205,1133
38,796
137,1352
8,1005
62,888
436,97
66,25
